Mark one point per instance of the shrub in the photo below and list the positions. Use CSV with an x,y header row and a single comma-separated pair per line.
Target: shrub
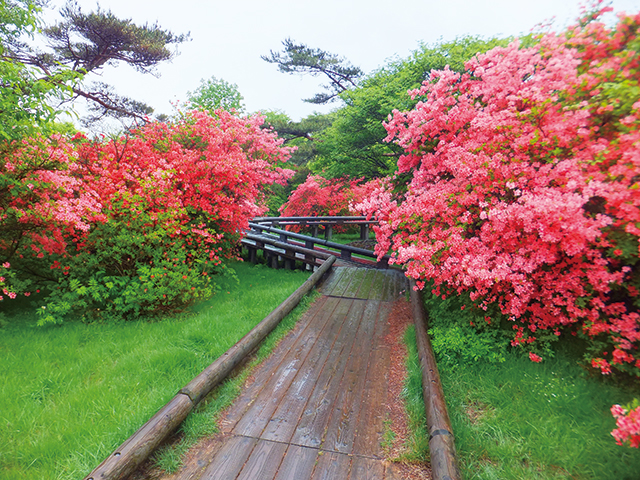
x,y
156,212
524,190
319,196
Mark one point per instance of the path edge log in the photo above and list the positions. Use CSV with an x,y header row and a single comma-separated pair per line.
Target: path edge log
x,y
137,448
442,451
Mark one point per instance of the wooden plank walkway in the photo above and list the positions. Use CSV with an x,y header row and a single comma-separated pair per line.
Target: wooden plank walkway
x,y
314,409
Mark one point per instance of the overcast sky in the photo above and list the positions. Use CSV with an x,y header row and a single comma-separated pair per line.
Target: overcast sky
x,y
228,38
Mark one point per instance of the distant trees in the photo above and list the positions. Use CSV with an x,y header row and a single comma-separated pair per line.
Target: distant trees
x,y
350,140
215,93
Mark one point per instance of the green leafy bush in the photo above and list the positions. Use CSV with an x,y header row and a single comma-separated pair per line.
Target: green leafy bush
x,y
130,266
460,345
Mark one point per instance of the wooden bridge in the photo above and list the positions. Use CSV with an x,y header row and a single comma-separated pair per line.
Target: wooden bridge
x,y
314,409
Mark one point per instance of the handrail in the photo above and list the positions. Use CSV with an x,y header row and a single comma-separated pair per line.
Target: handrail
x,y
328,222
345,250
336,218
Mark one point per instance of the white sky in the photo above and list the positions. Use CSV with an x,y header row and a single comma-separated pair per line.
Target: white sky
x,y
228,38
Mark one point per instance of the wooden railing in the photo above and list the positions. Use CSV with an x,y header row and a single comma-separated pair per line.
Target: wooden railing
x,y
316,222
279,244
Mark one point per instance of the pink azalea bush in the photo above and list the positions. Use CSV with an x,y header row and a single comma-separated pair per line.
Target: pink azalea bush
x,y
525,187
136,225
628,423
525,190
319,196
42,198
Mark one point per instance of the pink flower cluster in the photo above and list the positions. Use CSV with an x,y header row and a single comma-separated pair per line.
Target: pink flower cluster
x,y
318,196
525,186
628,423
202,177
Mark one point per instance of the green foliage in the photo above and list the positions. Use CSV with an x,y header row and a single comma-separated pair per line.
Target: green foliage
x,y
459,345
25,96
34,80
134,268
72,393
461,335
354,144
215,93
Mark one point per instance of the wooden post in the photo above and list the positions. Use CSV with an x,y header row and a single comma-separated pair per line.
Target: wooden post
x,y
289,260
314,232
364,231
328,232
273,260
260,246
308,258
442,449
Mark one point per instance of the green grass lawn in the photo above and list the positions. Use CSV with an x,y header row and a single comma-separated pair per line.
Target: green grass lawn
x,y
70,394
522,420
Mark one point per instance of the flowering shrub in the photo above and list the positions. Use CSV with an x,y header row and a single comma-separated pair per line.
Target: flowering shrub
x,y
319,196
628,423
41,199
524,189
172,202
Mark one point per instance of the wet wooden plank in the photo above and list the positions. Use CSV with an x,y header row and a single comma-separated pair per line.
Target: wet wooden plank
x,y
265,371
264,461
363,468
389,283
377,286
372,414
341,429
257,416
230,459
311,427
401,285
284,420
298,463
366,284
345,280
331,281
332,466
357,277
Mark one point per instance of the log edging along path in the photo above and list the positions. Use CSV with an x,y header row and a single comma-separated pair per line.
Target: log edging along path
x,y
442,450
137,448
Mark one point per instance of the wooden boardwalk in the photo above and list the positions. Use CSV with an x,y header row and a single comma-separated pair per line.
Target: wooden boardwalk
x,y
315,408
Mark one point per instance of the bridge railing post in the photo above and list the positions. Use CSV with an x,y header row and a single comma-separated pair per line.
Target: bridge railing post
x,y
364,231
328,231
